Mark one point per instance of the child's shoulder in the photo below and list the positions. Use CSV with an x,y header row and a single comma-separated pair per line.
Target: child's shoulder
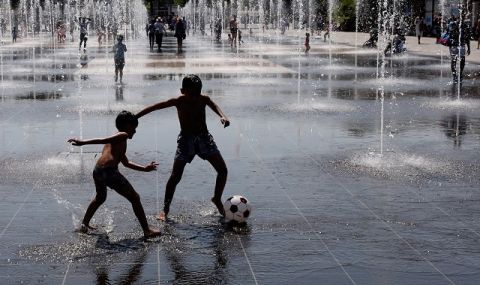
x,y
120,137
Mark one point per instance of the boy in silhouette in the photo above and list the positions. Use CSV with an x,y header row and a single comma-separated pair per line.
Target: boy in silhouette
x,y
106,172
83,32
307,42
194,138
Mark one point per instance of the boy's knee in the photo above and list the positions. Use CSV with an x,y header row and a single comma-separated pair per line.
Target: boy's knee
x,y
176,176
134,198
100,198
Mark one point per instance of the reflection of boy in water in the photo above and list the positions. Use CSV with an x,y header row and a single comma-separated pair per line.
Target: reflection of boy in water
x,y
455,127
106,172
194,138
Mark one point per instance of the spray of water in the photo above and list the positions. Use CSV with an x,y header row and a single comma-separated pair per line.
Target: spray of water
x,y
75,210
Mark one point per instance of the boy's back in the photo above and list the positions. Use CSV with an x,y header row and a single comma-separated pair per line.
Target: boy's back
x,y
191,113
120,48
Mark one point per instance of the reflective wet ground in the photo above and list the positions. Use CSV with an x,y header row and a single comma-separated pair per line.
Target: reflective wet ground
x,y
337,199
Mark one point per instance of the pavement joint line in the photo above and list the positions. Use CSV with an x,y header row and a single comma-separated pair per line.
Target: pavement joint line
x,y
18,210
248,260
158,264
66,273
302,215
370,210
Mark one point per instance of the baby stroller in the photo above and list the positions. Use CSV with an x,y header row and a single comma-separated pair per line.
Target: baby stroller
x,y
372,41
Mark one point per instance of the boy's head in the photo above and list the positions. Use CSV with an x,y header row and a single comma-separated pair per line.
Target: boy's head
x,y
120,38
126,122
191,85
307,34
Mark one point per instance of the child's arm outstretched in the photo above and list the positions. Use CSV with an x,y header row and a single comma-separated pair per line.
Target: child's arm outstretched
x,y
223,118
132,165
162,105
115,138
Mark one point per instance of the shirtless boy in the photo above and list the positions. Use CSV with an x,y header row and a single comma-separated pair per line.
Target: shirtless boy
x,y
194,138
106,172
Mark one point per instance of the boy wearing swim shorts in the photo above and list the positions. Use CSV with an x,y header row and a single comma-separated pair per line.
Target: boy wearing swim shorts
x,y
194,138
106,172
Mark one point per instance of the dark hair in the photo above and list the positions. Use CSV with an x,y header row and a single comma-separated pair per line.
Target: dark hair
x,y
125,118
192,83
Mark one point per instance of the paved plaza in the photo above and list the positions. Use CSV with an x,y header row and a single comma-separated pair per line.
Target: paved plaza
x,y
355,177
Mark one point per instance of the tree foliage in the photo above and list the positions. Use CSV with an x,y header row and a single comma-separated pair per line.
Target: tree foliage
x,y
345,15
180,2
14,4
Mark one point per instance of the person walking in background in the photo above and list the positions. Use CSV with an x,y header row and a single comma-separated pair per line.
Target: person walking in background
x,y
418,28
307,42
180,32
71,27
459,45
240,41
477,33
14,34
159,32
119,50
327,33
83,32
151,34
218,29
233,30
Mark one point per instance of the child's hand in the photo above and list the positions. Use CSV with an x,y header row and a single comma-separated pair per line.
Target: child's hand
x,y
225,122
75,141
152,166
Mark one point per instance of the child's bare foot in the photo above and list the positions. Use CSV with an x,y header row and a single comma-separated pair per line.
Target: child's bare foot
x,y
84,228
219,205
162,216
150,233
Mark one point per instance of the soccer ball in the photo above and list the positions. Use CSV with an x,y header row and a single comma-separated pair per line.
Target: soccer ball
x,y
237,209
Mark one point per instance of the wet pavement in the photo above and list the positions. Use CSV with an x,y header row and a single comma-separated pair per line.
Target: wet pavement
x,y
354,177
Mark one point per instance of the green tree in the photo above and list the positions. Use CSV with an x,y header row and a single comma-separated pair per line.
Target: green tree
x,y
345,15
14,4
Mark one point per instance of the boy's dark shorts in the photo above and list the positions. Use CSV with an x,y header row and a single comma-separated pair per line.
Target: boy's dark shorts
x,y
109,176
189,145
83,37
119,63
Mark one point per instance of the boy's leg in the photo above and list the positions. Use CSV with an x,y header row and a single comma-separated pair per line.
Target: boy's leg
x,y
453,66
124,188
98,200
216,160
121,73
116,72
175,177
462,66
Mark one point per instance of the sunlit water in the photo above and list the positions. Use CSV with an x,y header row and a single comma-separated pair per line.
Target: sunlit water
x,y
303,147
